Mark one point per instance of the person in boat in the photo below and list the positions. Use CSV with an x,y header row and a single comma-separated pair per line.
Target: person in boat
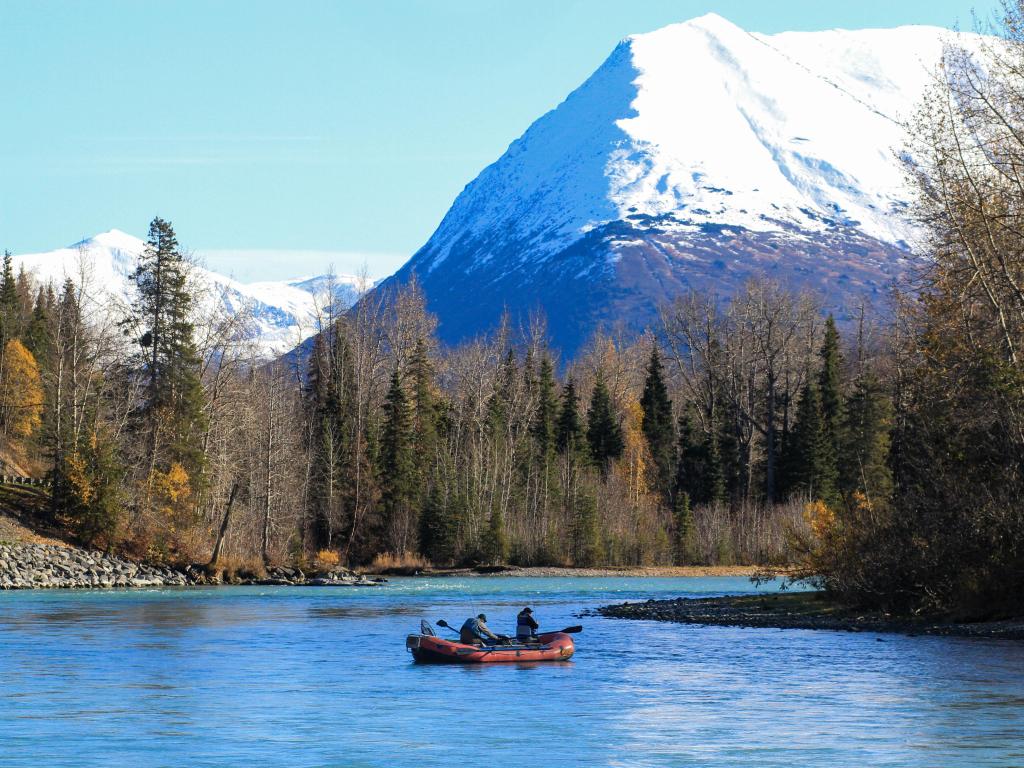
x,y
475,632
526,626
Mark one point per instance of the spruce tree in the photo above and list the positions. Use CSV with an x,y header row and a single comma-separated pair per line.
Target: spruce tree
x,y
172,413
830,389
438,528
495,543
8,300
682,519
37,336
811,463
695,476
658,424
425,412
569,436
715,485
586,536
397,465
323,463
604,433
864,454
546,416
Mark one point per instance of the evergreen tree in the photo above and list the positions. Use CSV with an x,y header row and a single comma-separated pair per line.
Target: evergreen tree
x,y
569,435
323,463
499,404
682,519
544,427
586,537
8,300
864,464
425,412
37,336
715,484
727,452
169,364
438,528
811,463
334,460
698,473
604,433
495,543
24,302
658,425
90,497
398,479
830,389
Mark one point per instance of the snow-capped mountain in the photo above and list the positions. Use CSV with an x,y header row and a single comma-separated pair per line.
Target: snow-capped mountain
x,y
283,314
699,155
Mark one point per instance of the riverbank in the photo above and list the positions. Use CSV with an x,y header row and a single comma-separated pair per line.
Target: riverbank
x,y
802,610
58,566
545,572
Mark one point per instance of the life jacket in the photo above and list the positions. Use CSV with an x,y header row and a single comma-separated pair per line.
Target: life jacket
x,y
525,625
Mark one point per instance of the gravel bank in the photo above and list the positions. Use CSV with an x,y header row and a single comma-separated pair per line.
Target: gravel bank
x,y
512,571
48,566
802,610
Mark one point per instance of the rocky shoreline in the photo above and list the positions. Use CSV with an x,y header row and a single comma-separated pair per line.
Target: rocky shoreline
x,y
51,566
803,610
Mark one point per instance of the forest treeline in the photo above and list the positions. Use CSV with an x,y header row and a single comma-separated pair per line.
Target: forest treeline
x,y
881,456
166,435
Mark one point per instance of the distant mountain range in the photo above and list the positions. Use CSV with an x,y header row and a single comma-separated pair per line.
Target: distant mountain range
x,y
697,156
284,314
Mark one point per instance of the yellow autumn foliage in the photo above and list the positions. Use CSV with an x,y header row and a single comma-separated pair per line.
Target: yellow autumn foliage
x,y
172,492
635,456
327,558
21,390
820,518
77,478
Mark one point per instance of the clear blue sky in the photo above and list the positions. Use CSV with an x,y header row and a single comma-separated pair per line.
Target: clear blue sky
x,y
332,130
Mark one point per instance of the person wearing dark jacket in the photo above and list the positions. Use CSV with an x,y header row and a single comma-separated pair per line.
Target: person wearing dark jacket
x,y
526,625
475,632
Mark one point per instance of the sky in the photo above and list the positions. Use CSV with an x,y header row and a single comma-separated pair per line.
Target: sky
x,y
285,137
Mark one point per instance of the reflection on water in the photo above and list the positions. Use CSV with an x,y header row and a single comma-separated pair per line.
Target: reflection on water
x,y
307,677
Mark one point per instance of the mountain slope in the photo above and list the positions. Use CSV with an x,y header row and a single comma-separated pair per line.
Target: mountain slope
x,y
283,313
698,155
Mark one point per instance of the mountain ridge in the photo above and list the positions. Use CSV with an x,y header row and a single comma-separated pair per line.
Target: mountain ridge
x,y
284,313
696,156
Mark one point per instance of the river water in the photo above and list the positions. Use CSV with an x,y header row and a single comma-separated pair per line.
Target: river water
x,y
288,676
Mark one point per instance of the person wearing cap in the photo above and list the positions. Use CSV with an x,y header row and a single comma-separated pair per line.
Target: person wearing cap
x,y
475,632
526,625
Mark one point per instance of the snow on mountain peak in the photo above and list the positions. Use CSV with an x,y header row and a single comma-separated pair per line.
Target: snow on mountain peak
x,y
284,313
715,150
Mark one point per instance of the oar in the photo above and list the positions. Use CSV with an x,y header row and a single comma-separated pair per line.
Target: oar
x,y
446,625
521,646
567,631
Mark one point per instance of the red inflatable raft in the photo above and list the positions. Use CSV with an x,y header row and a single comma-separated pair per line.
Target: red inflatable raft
x,y
551,646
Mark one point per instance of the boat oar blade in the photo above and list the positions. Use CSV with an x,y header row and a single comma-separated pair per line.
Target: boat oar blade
x,y
446,625
571,630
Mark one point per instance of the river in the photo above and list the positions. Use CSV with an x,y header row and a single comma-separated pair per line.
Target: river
x,y
290,676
